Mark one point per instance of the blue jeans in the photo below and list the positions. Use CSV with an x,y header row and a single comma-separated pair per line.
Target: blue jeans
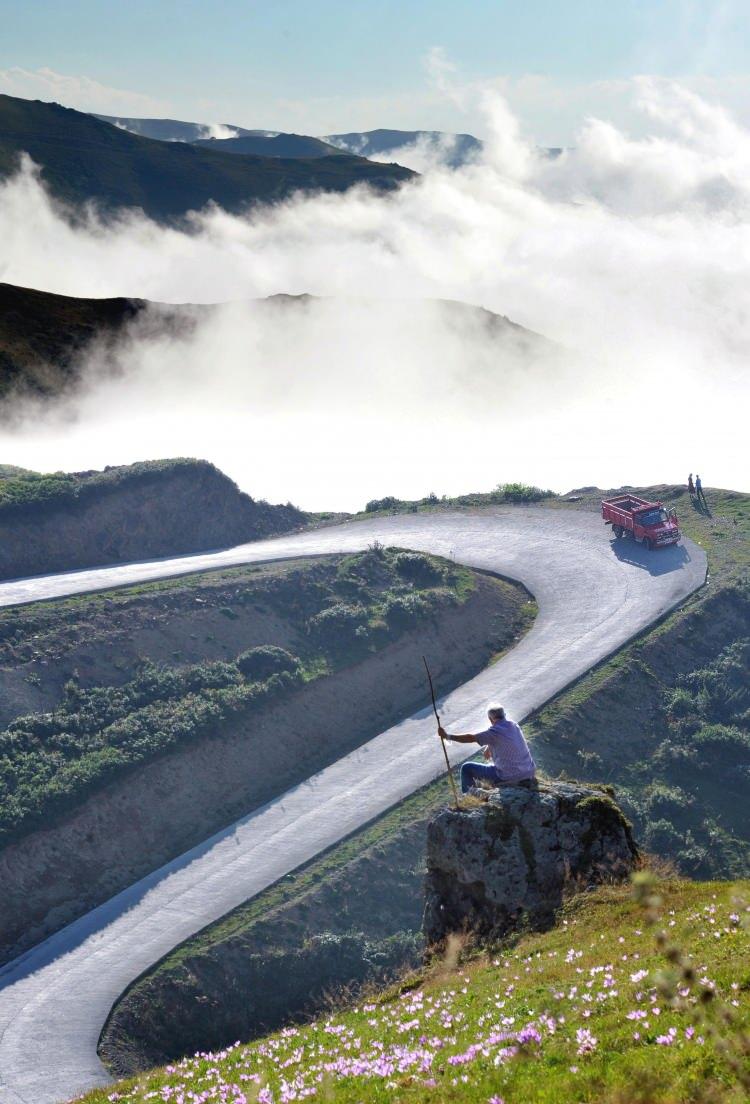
x,y
473,772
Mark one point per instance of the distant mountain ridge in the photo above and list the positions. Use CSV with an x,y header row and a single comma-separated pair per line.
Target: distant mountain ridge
x,y
455,149
452,150
86,160
277,145
176,130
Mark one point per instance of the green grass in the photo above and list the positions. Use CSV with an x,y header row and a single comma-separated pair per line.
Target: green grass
x,y
561,1017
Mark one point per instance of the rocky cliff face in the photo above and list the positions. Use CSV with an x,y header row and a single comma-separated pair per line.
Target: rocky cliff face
x,y
511,861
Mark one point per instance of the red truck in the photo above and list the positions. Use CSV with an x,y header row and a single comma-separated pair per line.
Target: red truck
x,y
650,523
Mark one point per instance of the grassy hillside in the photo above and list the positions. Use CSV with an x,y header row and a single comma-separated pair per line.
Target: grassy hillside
x,y
61,521
624,1001
84,159
99,728
668,723
23,492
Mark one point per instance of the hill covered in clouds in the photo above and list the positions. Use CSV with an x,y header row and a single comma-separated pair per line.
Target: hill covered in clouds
x,y
42,337
50,343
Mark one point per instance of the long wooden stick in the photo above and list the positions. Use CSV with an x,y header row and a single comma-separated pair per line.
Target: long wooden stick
x,y
442,741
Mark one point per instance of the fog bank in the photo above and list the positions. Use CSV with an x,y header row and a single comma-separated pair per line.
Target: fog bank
x,y
632,257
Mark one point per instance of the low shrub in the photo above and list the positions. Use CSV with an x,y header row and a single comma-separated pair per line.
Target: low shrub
x,y
418,569
521,492
336,627
387,503
724,745
724,686
402,610
666,802
680,704
260,663
662,837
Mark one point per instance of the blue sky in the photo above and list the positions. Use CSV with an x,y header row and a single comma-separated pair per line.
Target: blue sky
x,y
335,65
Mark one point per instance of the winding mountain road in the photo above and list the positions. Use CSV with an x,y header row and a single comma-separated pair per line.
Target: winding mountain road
x,y
593,595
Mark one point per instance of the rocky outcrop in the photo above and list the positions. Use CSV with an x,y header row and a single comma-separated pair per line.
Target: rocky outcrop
x,y
509,862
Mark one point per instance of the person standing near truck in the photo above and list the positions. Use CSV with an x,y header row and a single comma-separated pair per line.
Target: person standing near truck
x,y
699,492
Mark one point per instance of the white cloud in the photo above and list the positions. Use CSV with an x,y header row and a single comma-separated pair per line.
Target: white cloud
x,y
79,92
634,252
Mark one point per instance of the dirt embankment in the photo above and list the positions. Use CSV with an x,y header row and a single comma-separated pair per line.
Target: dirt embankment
x,y
167,806
141,512
102,640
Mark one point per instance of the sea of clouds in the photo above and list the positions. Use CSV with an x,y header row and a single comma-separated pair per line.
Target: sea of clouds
x,y
632,257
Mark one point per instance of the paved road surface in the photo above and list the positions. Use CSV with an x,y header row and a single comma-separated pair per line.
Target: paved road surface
x,y
592,596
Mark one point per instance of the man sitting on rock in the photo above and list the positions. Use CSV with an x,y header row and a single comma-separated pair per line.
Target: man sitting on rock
x,y
504,743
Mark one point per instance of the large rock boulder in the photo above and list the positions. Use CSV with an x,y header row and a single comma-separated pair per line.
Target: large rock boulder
x,y
510,861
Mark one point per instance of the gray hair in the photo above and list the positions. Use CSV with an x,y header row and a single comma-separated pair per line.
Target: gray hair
x,y
496,713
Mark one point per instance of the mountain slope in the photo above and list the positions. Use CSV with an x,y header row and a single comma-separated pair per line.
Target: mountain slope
x,y
84,159
277,145
41,335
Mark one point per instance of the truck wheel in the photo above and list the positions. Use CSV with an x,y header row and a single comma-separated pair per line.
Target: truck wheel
x,y
647,544
617,530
